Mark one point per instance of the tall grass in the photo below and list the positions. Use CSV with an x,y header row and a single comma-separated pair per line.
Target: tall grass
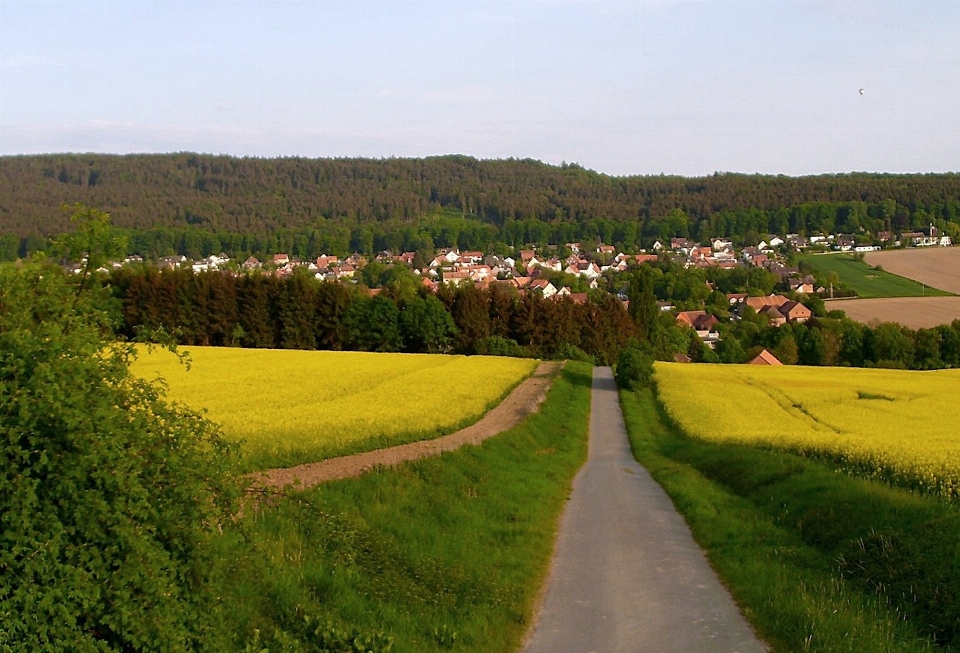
x,y
818,560
445,553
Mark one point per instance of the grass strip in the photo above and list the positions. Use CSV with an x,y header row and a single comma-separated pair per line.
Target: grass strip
x,y
818,560
444,553
869,282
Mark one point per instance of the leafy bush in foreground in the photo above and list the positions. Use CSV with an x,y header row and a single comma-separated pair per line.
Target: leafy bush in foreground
x,y
107,493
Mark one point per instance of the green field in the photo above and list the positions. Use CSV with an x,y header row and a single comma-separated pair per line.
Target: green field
x,y
866,281
288,406
446,553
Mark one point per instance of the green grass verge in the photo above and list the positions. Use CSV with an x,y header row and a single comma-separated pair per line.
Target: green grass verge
x,y
866,281
445,553
817,559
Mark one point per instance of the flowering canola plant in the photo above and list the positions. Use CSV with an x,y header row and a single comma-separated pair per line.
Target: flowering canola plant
x,y
891,424
290,406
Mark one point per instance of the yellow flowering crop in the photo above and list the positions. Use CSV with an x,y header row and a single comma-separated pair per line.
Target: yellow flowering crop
x,y
890,424
288,406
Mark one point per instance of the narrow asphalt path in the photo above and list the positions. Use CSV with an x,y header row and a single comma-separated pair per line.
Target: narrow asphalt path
x,y
627,575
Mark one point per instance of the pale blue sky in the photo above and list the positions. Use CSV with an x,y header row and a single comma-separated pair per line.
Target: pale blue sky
x,y
642,87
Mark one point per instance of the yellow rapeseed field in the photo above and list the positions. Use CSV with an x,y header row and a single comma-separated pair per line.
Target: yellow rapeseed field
x,y
288,407
892,424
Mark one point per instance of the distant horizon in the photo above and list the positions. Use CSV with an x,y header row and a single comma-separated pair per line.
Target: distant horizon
x,y
476,158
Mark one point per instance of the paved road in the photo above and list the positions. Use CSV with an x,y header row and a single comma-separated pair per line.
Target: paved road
x,y
627,575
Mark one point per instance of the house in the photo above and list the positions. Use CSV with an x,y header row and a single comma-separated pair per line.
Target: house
x,y
749,253
324,261
737,298
588,269
171,262
543,287
798,242
920,239
843,243
773,314
456,277
758,303
703,323
606,249
699,320
345,271
795,312
765,358
801,287
552,264
252,263
280,259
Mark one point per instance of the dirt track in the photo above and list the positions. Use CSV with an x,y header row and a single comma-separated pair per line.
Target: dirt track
x,y
525,399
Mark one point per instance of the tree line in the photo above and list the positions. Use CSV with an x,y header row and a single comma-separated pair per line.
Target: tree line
x,y
199,204
299,312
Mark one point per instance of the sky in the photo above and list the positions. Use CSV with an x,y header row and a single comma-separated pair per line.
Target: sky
x,y
686,87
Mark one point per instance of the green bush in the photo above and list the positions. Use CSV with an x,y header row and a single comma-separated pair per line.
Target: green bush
x,y
634,368
500,346
107,493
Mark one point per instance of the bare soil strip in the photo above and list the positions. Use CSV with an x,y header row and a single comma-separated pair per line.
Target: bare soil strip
x,y
912,312
938,267
524,400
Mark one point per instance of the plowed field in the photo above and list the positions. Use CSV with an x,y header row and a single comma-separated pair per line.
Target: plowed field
x,y
935,266
938,267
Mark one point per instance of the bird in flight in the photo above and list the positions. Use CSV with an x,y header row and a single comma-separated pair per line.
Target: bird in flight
x,y
861,91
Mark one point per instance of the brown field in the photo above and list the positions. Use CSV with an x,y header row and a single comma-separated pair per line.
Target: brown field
x,y
914,312
938,267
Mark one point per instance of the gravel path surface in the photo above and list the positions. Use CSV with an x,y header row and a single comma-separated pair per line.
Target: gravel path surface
x,y
525,399
627,575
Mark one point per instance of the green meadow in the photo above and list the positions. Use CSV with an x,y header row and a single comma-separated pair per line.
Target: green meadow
x,y
866,281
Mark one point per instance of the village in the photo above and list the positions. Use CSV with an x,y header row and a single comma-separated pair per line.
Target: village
x,y
587,268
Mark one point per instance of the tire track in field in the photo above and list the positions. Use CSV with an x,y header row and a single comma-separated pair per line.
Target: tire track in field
x,y
524,400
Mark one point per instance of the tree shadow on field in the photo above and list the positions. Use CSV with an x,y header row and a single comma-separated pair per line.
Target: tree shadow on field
x,y
579,375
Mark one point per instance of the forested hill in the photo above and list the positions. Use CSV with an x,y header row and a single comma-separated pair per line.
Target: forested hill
x,y
516,200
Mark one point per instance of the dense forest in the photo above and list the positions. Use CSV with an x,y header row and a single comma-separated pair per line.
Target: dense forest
x,y
200,204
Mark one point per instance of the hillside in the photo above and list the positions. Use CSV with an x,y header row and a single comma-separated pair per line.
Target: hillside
x,y
357,203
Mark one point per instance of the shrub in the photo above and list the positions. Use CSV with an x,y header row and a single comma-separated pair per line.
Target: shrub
x,y
107,493
500,346
634,368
